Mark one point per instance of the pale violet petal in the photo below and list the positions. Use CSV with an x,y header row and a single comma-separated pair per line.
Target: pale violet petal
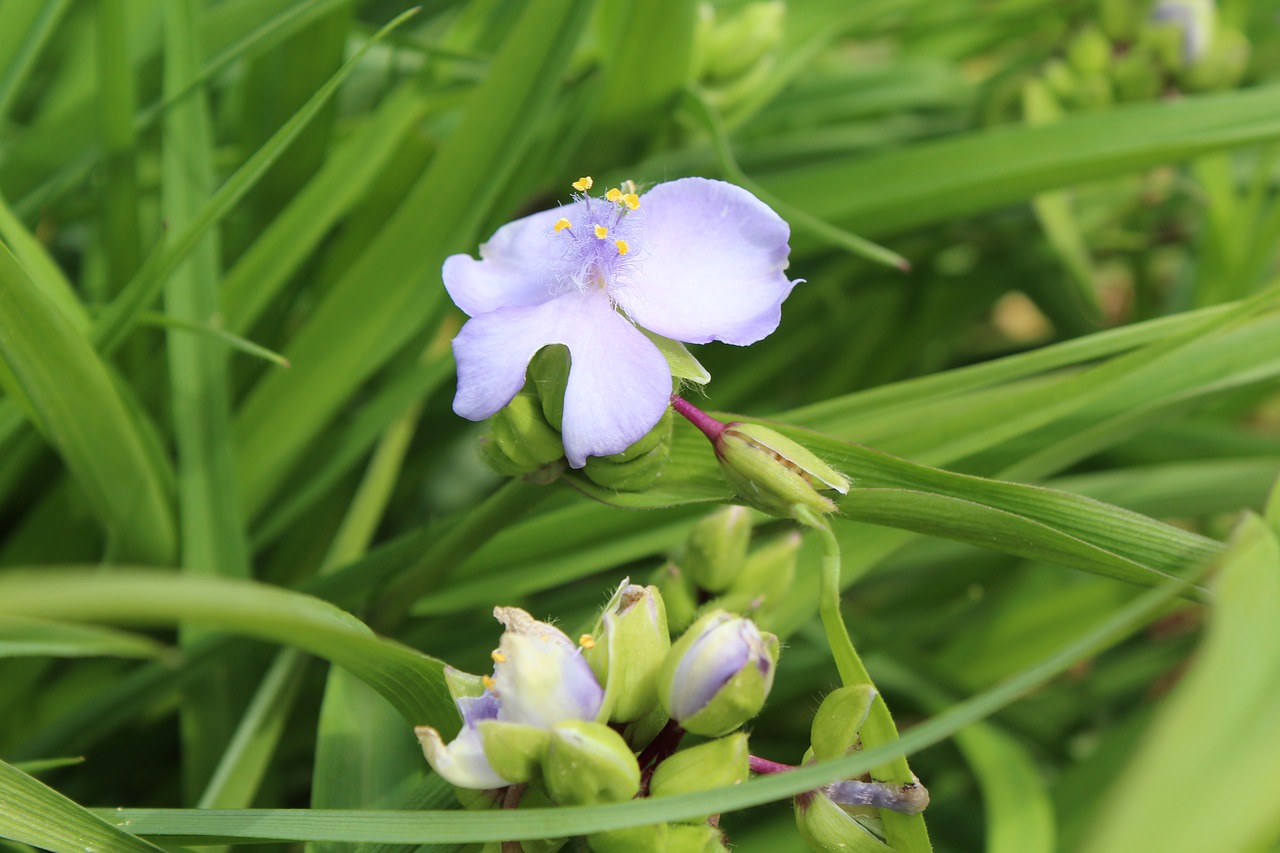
x,y
461,763
518,266
619,384
541,676
715,657
710,266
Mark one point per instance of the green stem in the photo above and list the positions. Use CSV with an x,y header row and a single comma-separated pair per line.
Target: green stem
x,y
905,833
511,501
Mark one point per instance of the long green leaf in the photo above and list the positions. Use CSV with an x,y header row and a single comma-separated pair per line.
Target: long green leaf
x,y
34,813
77,407
410,680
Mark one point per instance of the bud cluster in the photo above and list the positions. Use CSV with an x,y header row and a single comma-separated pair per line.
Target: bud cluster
x,y
718,569
601,720
1137,51
524,437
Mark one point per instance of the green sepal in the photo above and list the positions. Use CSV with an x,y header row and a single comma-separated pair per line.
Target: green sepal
x,y
700,838
1090,51
827,827
641,733
463,685
680,596
639,466
633,839
835,727
548,375
772,473
716,763
681,362
520,439
717,548
515,750
589,763
631,641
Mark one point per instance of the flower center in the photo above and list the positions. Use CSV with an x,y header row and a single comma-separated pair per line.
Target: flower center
x,y
597,236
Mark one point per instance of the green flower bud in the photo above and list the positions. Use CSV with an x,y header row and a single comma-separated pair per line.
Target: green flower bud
x,y
1137,76
1094,91
515,750
839,719
733,46
520,440
1222,66
1090,51
633,839
639,466
630,643
679,594
718,674
716,763
1120,19
717,548
700,838
1061,79
772,473
589,763
766,577
827,827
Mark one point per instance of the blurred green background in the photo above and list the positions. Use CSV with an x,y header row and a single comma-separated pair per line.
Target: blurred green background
x,y
225,356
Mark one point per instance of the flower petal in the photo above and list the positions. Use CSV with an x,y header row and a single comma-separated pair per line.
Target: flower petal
x,y
462,762
619,384
517,267
711,264
542,677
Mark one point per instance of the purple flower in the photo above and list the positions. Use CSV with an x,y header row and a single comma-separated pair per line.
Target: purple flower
x,y
539,679
694,260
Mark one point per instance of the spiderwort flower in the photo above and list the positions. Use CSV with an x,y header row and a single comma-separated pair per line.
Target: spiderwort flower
x,y
539,679
694,260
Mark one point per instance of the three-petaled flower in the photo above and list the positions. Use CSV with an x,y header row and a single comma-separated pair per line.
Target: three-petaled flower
x,y
694,260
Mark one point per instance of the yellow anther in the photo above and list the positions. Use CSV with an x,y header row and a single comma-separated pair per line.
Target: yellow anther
x,y
614,195
601,232
631,200
583,184
487,681
587,641
623,248
498,657
562,224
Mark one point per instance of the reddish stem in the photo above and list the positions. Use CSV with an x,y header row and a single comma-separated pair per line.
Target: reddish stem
x,y
710,427
765,766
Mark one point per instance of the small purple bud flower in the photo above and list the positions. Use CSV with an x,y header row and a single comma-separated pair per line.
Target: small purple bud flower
x,y
692,260
718,674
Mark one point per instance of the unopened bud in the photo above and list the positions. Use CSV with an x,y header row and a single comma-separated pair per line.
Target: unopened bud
x,y
679,594
773,473
766,577
520,440
717,548
839,719
589,763
718,674
714,764
1090,51
639,466
630,643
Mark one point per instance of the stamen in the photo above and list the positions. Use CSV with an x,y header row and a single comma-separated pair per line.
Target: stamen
x,y
631,200
498,657
601,232
587,641
614,195
487,681
623,248
583,184
561,224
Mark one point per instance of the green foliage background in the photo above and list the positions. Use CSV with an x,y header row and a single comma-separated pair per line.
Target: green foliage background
x,y
226,426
